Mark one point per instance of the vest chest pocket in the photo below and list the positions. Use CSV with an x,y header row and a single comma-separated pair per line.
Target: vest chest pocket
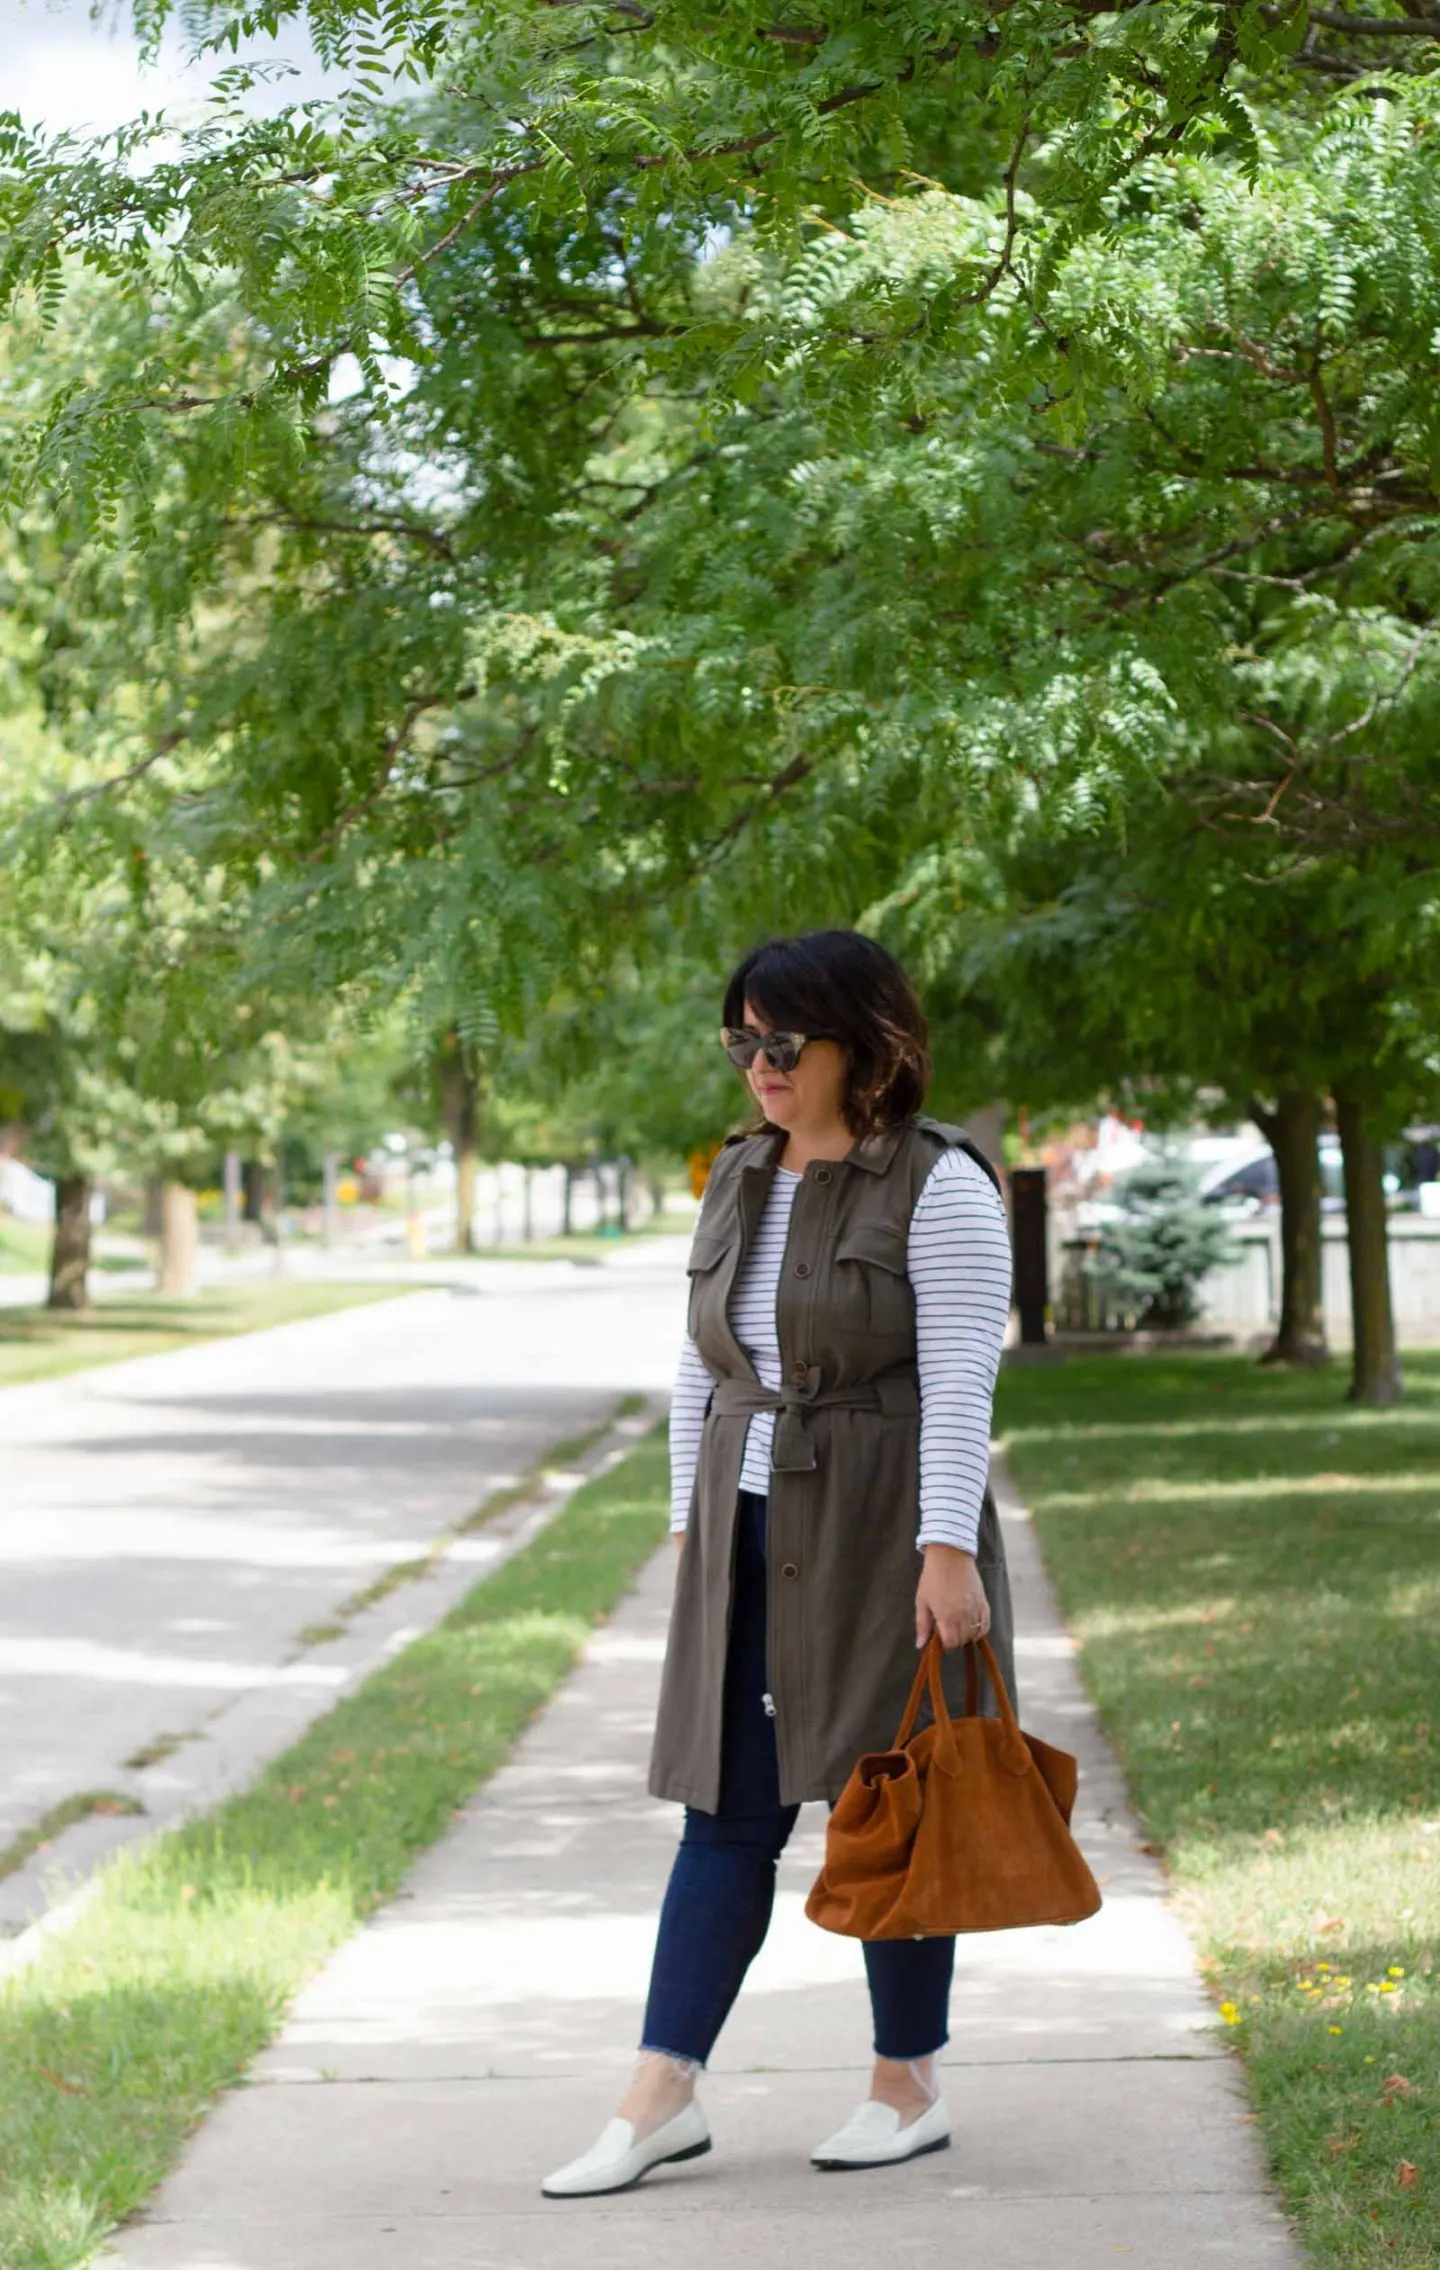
x,y
706,1254
872,1282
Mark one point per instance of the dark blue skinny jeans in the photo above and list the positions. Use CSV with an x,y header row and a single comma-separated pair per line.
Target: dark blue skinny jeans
x,y
722,1886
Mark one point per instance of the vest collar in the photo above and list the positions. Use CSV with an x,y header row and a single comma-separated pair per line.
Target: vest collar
x,y
875,1152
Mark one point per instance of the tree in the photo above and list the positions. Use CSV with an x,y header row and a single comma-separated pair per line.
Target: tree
x,y
780,532
1164,1244
1158,975
73,1114
683,120
1291,1126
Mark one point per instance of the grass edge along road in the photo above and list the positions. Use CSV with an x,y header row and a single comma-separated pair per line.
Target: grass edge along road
x,y
122,2031
1252,1570
40,1343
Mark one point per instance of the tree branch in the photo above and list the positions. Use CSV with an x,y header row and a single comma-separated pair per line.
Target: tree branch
x,y
163,748
305,524
390,757
1365,27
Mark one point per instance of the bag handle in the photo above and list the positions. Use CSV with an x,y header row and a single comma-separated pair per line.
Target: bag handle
x,y
1017,1752
927,1674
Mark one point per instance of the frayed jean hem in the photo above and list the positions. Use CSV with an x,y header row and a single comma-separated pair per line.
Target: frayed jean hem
x,y
676,2056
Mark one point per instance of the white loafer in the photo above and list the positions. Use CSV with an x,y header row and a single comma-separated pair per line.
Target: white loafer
x,y
873,2137
615,2161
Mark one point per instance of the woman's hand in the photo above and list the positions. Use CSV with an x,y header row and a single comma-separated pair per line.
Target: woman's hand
x,y
950,1598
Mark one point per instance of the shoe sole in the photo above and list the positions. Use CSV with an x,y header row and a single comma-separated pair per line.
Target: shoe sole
x,y
613,2190
865,2167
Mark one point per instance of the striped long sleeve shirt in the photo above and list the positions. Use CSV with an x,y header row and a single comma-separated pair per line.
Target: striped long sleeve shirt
x,y
959,1263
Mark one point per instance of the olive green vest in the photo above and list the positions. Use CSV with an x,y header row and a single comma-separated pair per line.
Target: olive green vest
x,y
845,1486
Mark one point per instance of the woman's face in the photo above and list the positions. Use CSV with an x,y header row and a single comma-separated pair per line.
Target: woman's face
x,y
810,1096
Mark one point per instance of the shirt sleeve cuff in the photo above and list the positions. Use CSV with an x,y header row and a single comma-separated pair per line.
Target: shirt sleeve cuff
x,y
948,1529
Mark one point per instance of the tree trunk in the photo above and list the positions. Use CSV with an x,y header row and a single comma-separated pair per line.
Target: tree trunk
x,y
461,1102
1292,1130
252,1182
154,1206
232,1196
986,1130
567,1202
70,1246
179,1241
1376,1374
277,1186
330,1201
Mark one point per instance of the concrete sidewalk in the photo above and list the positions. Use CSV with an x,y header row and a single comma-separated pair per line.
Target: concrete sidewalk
x,y
480,2030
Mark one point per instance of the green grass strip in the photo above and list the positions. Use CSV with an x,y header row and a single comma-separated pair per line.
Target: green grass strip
x,y
1253,1572
81,1807
180,1969
41,1343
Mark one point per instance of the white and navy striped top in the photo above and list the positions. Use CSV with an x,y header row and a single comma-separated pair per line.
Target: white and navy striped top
x,y
959,1263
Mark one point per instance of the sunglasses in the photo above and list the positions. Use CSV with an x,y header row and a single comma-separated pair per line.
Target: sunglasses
x,y
781,1051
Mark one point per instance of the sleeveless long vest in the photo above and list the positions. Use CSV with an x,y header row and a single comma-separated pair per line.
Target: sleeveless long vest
x,y
844,1497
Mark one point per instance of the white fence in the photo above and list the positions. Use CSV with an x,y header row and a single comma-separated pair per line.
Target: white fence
x,y
1244,1295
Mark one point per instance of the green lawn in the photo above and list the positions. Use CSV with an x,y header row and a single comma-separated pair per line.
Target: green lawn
x,y
1253,1572
116,2039
24,1246
38,1343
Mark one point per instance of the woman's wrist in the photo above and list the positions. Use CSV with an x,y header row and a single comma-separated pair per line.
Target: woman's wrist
x,y
951,1553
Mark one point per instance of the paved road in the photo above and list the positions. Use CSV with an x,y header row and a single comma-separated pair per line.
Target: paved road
x,y
478,2032
169,1527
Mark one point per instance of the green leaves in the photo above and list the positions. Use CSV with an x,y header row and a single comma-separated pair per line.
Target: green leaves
x,y
680,473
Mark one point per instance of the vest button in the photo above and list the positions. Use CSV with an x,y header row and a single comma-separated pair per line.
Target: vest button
x,y
789,1569
802,1268
823,1174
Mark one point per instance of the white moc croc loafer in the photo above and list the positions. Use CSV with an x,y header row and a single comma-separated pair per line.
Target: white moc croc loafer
x,y
873,2137
615,2161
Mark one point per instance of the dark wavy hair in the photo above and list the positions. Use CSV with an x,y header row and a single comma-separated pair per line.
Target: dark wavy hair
x,y
836,985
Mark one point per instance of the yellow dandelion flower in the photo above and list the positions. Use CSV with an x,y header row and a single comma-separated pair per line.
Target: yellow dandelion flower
x,y
1334,2029
1396,1970
1230,2013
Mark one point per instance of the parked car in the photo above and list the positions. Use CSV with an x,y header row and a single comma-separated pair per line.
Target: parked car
x,y
1251,1184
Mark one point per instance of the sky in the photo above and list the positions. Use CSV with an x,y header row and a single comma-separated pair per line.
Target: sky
x,y
61,69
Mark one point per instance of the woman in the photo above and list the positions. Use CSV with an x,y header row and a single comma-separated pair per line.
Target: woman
x,y
850,1282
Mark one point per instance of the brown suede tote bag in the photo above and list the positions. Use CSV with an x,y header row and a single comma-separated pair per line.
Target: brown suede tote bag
x,y
962,1827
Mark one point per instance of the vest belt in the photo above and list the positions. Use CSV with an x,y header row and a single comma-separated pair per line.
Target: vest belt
x,y
895,1395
